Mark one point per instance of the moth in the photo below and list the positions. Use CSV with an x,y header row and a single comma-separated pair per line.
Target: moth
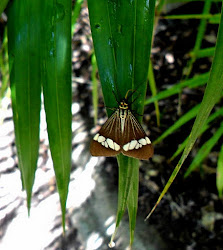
x,y
122,133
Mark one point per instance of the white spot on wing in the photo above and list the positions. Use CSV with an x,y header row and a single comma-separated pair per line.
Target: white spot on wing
x,y
110,143
132,145
117,147
142,141
126,147
96,137
101,139
148,140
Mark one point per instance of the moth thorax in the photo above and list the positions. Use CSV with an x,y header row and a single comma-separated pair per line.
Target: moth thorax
x,y
123,105
122,113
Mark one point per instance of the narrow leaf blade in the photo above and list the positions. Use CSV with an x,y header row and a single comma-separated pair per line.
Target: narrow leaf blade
x,y
177,88
220,173
132,203
25,77
204,151
180,122
57,90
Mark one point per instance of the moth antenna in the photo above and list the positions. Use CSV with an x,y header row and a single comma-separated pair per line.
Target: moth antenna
x,y
126,96
134,100
110,108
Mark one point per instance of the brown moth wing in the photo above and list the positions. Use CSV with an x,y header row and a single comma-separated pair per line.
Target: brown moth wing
x,y
143,153
110,130
96,149
134,131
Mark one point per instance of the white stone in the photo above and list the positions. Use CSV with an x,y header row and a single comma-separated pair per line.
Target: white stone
x,y
111,244
142,141
133,144
110,143
101,139
102,143
137,146
106,144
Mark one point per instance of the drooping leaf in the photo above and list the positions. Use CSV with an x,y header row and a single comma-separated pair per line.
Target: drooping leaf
x,y
56,52
24,42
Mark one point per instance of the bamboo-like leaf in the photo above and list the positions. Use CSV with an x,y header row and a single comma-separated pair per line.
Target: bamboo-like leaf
x,y
207,52
219,178
94,86
75,15
3,5
190,16
205,127
177,88
215,19
211,96
57,89
24,37
122,33
132,202
204,150
182,120
152,84
4,65
200,35
101,32
127,171
159,6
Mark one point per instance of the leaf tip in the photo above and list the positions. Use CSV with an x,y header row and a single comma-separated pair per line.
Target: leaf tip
x,y
148,216
28,200
111,244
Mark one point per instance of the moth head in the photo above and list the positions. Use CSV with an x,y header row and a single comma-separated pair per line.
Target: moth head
x,y
123,104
